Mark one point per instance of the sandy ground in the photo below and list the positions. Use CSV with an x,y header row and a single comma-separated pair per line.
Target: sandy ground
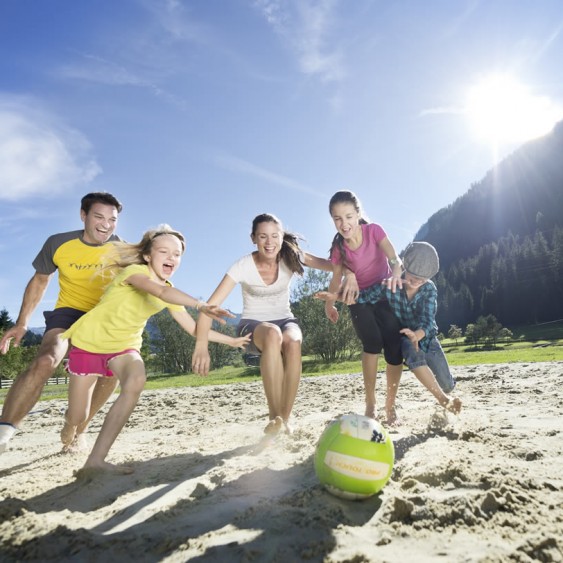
x,y
487,486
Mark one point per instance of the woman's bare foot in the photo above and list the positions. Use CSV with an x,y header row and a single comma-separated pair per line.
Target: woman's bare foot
x,y
274,426
68,433
392,417
453,405
91,469
370,411
287,428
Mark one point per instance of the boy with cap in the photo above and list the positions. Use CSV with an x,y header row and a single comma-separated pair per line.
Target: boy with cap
x,y
415,307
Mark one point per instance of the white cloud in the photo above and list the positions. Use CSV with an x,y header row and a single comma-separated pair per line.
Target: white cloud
x,y
99,70
39,155
306,25
236,164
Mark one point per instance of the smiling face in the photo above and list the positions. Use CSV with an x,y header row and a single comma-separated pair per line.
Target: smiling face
x,y
165,256
346,219
414,281
268,238
99,223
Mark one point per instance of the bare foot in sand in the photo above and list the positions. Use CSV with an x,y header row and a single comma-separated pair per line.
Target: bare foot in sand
x,y
453,405
370,411
287,428
274,426
78,445
392,417
103,468
68,434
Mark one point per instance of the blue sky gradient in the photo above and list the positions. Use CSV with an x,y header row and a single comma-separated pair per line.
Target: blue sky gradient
x,y
202,114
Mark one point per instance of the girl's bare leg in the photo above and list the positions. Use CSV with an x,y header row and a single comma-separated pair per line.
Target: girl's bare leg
x,y
80,389
268,338
369,371
104,389
130,370
291,351
393,380
426,377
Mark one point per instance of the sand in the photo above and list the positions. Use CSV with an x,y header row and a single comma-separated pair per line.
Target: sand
x,y
485,486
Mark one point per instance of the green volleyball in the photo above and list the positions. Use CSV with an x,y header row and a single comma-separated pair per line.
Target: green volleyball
x,y
354,457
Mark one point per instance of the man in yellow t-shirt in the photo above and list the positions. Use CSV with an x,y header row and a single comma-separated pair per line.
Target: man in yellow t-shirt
x,y
77,256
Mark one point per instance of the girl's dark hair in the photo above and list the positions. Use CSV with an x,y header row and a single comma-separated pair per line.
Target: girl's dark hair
x,y
99,197
290,252
344,196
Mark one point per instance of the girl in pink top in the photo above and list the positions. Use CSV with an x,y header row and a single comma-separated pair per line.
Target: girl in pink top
x,y
362,249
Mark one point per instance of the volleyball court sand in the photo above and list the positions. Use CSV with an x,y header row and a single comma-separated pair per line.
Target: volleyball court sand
x,y
485,486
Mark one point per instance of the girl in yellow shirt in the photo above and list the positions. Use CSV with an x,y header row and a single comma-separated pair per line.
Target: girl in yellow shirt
x,y
106,341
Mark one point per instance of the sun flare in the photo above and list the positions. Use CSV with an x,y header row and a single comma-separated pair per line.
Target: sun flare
x,y
502,110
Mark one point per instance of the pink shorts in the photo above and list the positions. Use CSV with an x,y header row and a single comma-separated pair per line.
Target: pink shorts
x,y
81,362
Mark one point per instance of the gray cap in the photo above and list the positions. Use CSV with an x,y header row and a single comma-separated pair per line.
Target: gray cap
x,y
421,260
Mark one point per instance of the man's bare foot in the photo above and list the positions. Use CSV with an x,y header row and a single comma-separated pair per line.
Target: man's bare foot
x,y
274,426
68,433
103,467
453,405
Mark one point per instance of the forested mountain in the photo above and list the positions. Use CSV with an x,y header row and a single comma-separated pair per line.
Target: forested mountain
x,y
501,244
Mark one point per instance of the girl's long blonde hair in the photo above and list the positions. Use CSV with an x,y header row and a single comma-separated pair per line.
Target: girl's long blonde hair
x,y
123,254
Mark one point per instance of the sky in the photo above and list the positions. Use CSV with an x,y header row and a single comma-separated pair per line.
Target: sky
x,y
204,113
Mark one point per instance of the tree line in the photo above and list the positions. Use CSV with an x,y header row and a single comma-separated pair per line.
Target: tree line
x,y
517,279
168,349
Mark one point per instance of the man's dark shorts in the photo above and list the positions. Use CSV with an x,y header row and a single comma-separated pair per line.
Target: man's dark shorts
x,y
63,317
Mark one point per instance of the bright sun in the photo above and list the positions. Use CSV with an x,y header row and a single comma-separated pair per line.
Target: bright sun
x,y
503,111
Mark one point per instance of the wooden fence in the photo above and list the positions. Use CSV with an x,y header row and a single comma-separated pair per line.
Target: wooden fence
x,y
5,383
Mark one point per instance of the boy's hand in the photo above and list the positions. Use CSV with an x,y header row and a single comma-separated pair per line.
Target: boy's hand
x,y
411,336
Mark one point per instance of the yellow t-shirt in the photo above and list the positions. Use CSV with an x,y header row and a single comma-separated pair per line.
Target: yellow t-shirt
x,y
80,266
116,323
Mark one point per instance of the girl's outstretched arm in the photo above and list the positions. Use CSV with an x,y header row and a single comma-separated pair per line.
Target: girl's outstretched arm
x,y
176,297
395,280
330,310
200,358
186,321
312,261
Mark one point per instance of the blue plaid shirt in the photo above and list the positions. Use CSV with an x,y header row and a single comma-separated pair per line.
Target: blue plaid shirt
x,y
419,313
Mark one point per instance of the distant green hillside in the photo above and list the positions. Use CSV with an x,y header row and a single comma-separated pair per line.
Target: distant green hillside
x,y
501,243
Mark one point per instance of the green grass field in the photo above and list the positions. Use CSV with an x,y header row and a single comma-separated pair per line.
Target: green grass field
x,y
511,352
